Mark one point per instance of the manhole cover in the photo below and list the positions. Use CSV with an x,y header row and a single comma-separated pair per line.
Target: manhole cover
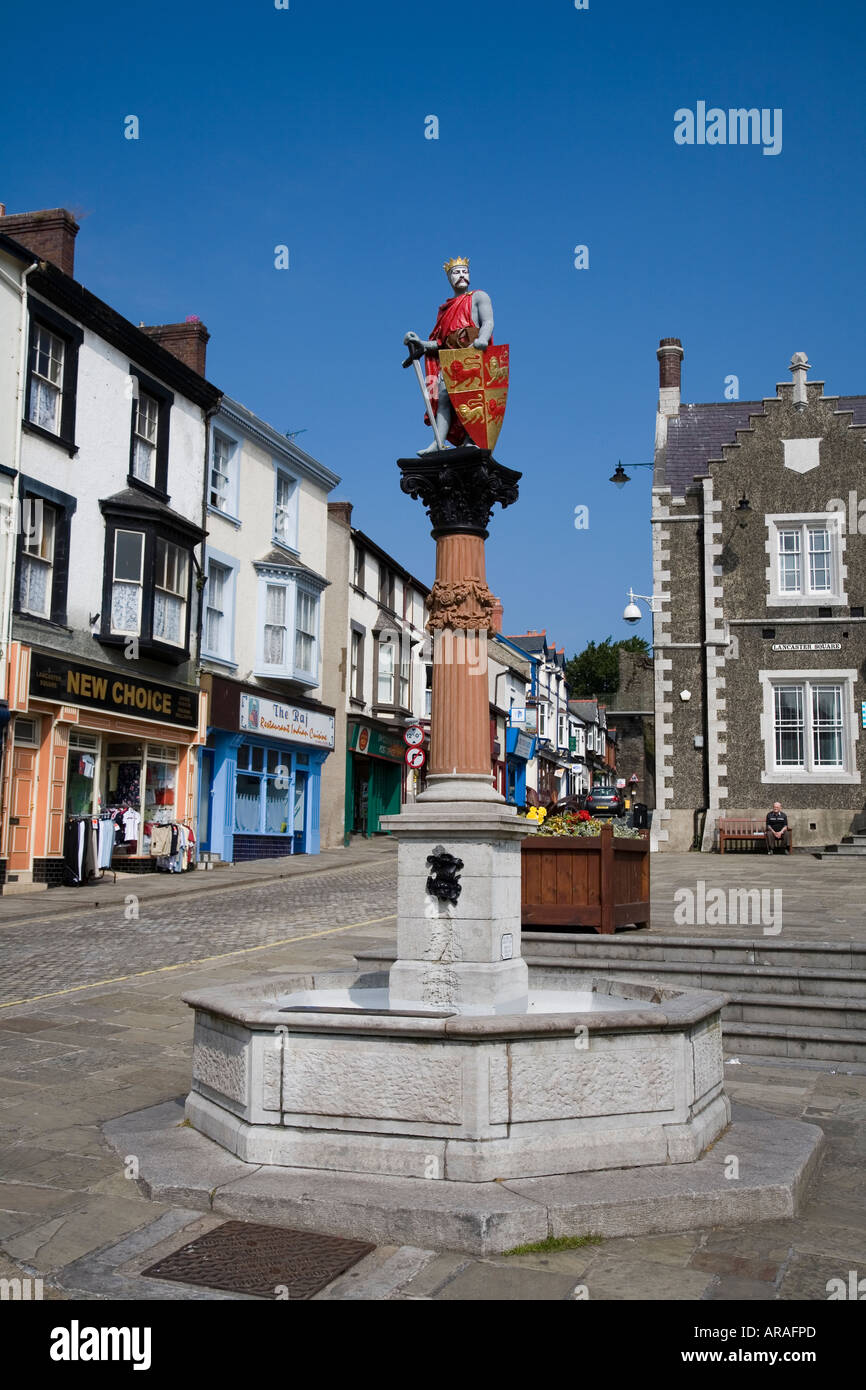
x,y
267,1261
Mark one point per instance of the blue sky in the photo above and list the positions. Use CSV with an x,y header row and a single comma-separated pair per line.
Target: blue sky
x,y
305,127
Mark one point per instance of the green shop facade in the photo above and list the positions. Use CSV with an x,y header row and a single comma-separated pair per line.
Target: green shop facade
x,y
375,765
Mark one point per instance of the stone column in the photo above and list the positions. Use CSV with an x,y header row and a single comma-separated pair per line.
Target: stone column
x,y
458,909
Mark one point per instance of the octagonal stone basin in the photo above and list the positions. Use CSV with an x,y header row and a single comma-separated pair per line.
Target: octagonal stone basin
x,y
320,1073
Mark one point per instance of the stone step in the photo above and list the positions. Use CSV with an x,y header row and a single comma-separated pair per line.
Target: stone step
x,y
788,1040
842,851
647,946
806,1010
10,888
854,840
784,981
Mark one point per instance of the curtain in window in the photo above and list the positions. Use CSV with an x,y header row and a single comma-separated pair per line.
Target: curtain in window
x,y
168,618
276,808
305,627
275,625
247,804
124,607
44,402
34,586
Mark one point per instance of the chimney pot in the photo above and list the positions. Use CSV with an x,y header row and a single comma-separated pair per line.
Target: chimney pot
x,y
496,615
670,357
49,234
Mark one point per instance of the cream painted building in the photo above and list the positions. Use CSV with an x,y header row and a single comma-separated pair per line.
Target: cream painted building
x,y
262,644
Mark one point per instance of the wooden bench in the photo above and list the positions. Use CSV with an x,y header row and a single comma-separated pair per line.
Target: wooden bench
x,y
748,828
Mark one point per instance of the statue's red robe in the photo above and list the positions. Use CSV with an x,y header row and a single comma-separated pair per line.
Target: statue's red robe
x,y
453,315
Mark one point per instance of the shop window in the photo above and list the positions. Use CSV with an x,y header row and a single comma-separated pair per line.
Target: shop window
x,y
49,407
262,791
82,774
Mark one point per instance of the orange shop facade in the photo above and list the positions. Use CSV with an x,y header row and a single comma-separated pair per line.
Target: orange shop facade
x,y
85,740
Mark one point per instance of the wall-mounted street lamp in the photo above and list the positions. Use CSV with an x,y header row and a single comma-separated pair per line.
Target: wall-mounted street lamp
x,y
619,478
631,612
744,505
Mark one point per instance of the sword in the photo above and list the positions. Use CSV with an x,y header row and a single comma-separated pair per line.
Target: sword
x,y
422,382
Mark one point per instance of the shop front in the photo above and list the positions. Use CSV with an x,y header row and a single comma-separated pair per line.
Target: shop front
x,y
92,743
375,763
519,750
259,794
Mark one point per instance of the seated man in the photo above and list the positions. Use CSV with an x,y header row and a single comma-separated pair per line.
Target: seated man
x,y
778,835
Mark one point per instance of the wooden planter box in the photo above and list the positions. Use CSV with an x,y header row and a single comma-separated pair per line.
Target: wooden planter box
x,y
570,881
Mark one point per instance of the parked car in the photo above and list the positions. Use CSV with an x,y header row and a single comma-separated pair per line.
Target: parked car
x,y
605,799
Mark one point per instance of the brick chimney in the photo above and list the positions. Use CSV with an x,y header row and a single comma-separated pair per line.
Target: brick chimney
x,y
496,615
341,512
50,234
670,356
187,341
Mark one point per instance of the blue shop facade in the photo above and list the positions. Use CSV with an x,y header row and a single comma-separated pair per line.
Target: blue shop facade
x,y
260,774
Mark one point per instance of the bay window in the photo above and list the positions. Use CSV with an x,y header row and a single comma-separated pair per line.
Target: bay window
x,y
147,579
288,640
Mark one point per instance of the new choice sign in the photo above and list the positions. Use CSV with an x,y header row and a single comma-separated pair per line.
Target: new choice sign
x,y
260,716
71,683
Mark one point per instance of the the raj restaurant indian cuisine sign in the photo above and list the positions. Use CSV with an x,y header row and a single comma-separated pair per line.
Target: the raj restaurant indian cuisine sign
x,y
268,718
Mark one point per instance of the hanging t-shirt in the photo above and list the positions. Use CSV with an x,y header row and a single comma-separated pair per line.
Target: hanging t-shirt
x,y
131,822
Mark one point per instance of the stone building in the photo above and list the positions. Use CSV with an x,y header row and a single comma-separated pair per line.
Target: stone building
x,y
630,715
759,584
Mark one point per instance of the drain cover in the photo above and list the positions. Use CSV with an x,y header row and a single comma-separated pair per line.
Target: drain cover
x,y
266,1261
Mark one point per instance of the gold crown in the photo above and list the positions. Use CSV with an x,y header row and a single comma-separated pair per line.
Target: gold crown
x,y
458,260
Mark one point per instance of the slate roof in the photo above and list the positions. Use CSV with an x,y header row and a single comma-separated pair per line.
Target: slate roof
x,y
587,710
700,432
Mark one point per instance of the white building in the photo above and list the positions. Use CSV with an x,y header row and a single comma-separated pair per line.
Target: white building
x,y
102,665
269,733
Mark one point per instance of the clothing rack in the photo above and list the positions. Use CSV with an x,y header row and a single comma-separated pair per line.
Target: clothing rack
x,y
88,844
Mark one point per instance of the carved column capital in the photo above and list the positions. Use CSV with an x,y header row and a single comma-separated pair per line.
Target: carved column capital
x,y
459,488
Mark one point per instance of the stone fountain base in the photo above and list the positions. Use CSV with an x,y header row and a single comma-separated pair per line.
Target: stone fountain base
x,y
623,1075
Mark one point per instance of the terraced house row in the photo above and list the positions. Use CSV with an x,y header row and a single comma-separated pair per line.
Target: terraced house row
x,y
202,659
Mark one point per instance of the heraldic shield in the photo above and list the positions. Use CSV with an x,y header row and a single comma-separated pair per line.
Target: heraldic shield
x,y
477,383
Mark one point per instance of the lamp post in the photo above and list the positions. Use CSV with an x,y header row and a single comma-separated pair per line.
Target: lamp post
x,y
619,477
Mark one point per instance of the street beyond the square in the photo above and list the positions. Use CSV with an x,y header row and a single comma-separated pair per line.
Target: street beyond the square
x,y
92,1028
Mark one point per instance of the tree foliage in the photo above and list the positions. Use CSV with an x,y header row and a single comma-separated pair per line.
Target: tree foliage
x,y
595,670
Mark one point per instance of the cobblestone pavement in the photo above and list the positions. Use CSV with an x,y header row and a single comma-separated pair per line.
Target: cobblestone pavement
x,y
95,1046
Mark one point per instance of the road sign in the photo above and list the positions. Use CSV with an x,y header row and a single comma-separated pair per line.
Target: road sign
x,y
413,735
415,758
634,778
